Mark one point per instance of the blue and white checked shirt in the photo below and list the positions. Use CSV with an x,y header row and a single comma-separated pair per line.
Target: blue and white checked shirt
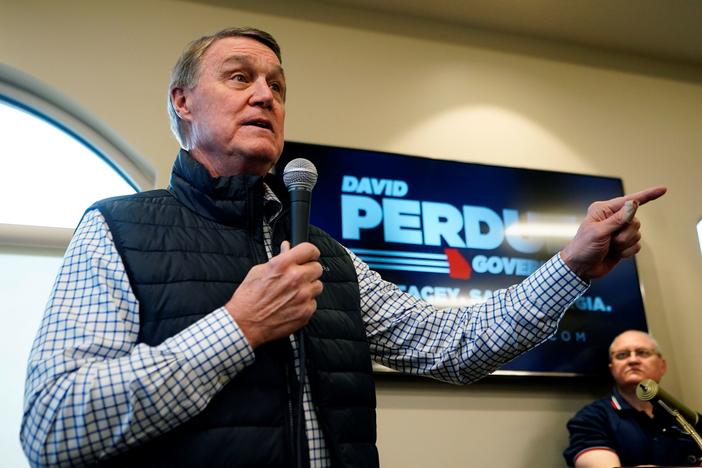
x,y
92,391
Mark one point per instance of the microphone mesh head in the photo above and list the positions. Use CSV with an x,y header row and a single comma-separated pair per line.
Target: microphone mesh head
x,y
300,174
647,390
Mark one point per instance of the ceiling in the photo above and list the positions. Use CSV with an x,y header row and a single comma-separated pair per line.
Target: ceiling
x,y
669,30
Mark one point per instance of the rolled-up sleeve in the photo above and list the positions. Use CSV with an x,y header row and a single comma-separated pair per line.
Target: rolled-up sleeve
x,y
463,344
91,389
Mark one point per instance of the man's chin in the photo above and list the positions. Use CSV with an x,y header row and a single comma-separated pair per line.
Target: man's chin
x,y
261,157
634,378
262,151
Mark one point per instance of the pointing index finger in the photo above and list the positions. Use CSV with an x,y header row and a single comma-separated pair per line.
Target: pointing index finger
x,y
644,196
647,195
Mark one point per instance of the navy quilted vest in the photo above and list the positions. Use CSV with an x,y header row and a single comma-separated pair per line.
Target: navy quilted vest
x,y
185,251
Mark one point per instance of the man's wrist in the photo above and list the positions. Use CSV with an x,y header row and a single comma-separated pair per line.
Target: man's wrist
x,y
251,338
576,267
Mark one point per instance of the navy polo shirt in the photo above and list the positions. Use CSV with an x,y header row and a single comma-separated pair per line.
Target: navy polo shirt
x,y
612,423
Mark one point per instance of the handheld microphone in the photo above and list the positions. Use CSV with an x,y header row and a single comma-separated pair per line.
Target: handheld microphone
x,y
649,390
299,177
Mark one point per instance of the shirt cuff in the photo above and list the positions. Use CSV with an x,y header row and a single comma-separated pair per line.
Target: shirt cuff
x,y
590,449
554,286
212,348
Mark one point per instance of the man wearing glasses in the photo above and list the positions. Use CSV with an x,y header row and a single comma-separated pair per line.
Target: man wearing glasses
x,y
621,430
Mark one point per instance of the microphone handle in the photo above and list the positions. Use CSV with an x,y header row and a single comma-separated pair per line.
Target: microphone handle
x,y
299,216
299,225
649,390
672,402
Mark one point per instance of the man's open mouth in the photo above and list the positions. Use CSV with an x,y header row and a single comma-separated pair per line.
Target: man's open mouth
x,y
259,123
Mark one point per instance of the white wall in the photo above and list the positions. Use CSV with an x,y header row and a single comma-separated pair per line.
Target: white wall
x,y
422,88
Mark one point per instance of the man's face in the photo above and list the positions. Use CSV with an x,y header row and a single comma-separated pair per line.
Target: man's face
x,y
633,359
236,111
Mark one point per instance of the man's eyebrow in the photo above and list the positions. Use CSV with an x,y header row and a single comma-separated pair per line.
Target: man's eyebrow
x,y
246,60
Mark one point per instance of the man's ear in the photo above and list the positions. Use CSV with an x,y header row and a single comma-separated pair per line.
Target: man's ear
x,y
179,99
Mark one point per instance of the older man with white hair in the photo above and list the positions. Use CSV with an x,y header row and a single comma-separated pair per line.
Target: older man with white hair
x,y
620,429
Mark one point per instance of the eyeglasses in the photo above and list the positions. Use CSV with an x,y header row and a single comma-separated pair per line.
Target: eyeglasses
x,y
639,352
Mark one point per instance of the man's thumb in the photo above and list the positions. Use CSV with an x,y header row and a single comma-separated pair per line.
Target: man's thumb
x,y
623,216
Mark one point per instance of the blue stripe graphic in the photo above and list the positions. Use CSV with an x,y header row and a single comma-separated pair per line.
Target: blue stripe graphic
x,y
435,263
380,266
398,253
411,261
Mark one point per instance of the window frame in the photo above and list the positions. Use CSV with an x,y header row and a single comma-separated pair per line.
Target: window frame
x,y
27,93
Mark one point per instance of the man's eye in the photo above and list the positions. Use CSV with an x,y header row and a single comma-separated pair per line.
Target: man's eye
x,y
276,87
239,77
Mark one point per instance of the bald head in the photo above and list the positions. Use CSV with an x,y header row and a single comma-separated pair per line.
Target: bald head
x,y
635,356
636,334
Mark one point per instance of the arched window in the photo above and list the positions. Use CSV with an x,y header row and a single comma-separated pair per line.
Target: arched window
x,y
55,160
49,173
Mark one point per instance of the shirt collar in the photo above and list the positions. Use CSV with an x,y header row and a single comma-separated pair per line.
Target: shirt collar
x,y
272,206
618,402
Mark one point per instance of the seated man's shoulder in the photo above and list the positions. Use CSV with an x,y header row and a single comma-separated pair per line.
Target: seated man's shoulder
x,y
601,408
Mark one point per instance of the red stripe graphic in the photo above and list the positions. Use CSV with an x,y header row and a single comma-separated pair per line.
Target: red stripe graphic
x,y
459,268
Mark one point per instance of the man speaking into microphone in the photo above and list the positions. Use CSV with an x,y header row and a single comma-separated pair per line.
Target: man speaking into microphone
x,y
174,334
621,429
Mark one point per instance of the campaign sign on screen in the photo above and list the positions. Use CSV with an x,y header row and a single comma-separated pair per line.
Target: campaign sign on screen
x,y
452,233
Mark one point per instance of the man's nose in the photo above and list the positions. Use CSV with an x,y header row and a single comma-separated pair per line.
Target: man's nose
x,y
261,95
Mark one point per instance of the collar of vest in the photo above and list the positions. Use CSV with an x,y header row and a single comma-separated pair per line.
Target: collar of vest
x,y
234,200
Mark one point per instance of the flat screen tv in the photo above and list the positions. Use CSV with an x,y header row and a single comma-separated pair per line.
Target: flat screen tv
x,y
453,232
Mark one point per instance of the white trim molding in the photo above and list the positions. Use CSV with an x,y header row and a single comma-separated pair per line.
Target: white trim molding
x,y
37,97
18,235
